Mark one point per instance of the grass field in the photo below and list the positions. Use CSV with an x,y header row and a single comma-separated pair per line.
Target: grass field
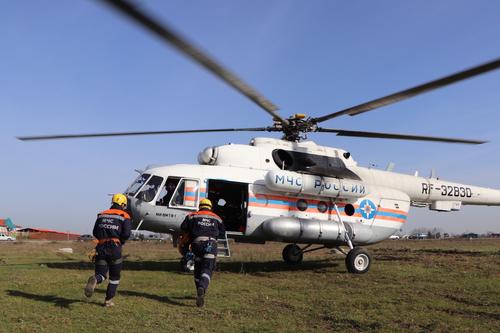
x,y
413,286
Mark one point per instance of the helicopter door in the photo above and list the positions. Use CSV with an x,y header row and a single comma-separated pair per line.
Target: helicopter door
x,y
186,194
230,202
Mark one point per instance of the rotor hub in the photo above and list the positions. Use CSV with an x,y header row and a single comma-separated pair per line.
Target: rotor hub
x,y
297,128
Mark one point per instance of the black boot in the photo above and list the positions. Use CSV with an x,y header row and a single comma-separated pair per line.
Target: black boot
x,y
200,297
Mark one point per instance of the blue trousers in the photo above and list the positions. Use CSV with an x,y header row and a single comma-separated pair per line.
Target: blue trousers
x,y
204,262
109,259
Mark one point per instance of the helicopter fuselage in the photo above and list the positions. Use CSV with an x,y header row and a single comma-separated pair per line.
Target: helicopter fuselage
x,y
274,190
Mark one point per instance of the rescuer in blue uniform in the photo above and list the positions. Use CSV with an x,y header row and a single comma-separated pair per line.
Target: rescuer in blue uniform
x,y
203,228
112,229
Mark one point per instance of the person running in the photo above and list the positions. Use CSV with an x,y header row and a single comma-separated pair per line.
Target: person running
x,y
112,229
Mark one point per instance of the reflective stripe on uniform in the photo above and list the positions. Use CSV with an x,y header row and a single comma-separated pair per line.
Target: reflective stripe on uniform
x,y
101,262
209,256
205,275
115,212
114,281
113,216
203,239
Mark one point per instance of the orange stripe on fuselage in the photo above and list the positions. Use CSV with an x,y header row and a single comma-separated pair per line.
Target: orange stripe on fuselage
x,y
287,207
390,218
315,201
389,210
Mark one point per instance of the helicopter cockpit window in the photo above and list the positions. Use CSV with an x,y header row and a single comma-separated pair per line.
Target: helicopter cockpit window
x,y
186,194
167,191
137,184
148,192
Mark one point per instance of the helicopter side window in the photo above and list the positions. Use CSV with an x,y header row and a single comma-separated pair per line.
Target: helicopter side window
x,y
186,194
148,192
137,184
167,191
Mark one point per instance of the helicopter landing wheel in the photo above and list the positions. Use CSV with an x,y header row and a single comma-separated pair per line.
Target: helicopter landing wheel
x,y
292,254
358,261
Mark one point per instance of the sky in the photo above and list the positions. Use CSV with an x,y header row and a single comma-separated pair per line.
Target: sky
x,y
76,67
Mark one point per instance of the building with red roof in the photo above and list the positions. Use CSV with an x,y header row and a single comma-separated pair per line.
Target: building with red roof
x,y
45,234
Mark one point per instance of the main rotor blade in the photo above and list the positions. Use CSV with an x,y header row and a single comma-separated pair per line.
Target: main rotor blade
x,y
101,135
363,134
408,93
168,35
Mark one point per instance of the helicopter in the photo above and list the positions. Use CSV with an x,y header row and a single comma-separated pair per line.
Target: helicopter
x,y
291,190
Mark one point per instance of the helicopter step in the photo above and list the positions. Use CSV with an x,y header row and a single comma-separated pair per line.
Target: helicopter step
x,y
223,249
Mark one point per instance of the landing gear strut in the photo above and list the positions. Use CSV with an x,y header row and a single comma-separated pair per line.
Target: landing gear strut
x,y
357,260
293,254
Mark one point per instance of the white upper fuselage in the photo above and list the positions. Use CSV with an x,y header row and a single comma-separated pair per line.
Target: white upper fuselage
x,y
258,155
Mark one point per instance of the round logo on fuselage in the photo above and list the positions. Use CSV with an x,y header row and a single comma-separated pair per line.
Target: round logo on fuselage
x,y
367,209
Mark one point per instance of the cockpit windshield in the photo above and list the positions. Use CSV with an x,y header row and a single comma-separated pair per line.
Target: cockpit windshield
x,y
137,184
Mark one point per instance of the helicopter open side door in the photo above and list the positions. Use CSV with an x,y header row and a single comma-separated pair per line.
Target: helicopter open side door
x,y
230,202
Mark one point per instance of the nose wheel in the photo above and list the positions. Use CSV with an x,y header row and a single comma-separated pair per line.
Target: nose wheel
x,y
358,261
